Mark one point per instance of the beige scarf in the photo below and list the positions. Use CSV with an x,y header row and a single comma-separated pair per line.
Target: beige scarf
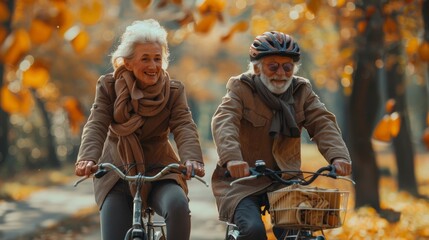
x,y
131,107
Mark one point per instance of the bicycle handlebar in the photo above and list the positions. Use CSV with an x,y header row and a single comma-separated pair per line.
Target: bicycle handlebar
x,y
103,168
261,170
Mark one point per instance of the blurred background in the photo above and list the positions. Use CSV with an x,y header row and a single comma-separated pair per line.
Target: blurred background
x,y
366,59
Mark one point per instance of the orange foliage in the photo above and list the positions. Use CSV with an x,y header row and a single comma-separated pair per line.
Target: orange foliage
x,y
40,31
3,34
425,137
74,113
91,12
36,76
17,46
142,4
4,11
390,105
211,6
361,26
206,23
80,42
314,5
424,51
238,27
388,127
412,46
19,102
64,19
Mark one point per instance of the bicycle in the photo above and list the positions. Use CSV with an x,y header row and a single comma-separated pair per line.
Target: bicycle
x,y
299,210
141,230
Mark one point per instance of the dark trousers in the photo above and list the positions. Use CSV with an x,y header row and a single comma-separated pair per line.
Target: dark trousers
x,y
166,198
248,219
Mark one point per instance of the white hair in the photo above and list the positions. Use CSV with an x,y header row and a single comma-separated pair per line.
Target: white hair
x,y
146,31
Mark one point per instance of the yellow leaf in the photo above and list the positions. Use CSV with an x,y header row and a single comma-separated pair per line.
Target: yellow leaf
x,y
74,112
17,44
412,46
314,5
238,27
382,130
36,76
80,42
211,7
91,12
20,102
206,23
40,31
64,20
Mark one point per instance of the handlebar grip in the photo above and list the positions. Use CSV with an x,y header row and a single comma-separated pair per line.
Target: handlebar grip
x,y
100,173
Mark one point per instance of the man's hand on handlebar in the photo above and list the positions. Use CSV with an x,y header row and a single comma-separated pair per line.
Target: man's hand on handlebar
x,y
194,167
238,169
85,168
343,167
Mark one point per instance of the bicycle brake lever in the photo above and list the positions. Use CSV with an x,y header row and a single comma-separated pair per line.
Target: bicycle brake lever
x,y
347,179
80,180
243,179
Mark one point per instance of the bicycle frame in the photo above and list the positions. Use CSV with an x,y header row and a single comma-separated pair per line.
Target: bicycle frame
x,y
140,230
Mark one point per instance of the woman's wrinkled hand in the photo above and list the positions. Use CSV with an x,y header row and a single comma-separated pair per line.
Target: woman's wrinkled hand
x,y
238,169
343,167
85,168
198,168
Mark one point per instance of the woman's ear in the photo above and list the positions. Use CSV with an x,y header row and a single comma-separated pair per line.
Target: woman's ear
x,y
128,65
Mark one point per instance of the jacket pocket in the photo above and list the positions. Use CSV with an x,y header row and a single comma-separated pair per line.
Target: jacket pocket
x,y
255,119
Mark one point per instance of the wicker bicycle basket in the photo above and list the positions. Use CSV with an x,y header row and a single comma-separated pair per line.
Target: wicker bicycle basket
x,y
311,208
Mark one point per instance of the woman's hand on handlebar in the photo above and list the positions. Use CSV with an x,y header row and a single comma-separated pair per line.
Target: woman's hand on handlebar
x,y
85,168
238,169
343,167
196,167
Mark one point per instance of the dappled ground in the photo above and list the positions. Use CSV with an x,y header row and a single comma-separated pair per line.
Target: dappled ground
x,y
363,223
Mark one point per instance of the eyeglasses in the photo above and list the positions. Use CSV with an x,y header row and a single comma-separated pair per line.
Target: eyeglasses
x,y
287,67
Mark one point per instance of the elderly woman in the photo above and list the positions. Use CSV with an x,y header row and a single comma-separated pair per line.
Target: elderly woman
x,y
135,109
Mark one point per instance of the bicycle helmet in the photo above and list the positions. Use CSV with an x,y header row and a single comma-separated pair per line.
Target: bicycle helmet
x,y
274,43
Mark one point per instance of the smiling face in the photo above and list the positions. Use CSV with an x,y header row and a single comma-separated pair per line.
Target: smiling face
x,y
146,63
276,73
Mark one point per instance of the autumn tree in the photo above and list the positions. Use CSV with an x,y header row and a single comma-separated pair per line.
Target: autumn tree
x,y
6,28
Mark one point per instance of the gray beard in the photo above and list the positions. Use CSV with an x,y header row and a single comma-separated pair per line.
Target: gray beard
x,y
266,81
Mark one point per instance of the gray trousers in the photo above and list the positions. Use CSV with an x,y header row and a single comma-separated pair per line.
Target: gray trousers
x,y
166,198
248,219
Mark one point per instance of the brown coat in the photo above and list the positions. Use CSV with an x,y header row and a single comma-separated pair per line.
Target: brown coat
x,y
240,128
99,144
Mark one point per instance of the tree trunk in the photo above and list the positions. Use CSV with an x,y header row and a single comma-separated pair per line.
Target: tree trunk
x,y
52,160
396,88
363,110
4,116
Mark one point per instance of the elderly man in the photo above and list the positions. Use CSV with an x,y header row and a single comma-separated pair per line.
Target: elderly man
x,y
261,117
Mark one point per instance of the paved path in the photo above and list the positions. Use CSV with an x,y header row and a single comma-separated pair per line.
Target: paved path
x,y
47,207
